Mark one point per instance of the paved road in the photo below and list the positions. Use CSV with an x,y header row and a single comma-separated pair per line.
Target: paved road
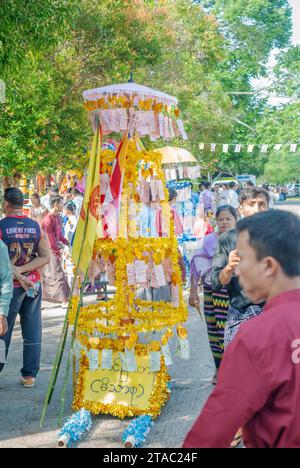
x,y
293,206
20,408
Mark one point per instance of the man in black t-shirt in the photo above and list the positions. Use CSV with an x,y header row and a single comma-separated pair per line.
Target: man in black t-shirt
x,y
252,200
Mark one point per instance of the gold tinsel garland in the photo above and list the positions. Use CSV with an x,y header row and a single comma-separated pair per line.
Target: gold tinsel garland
x,y
150,316
158,398
125,316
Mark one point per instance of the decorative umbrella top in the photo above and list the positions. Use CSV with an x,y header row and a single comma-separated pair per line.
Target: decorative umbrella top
x,y
134,108
129,90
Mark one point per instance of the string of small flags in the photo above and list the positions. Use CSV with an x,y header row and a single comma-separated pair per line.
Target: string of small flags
x,y
250,148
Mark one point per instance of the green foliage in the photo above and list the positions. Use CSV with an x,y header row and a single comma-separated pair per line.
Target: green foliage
x,y
44,126
281,126
31,26
282,167
50,51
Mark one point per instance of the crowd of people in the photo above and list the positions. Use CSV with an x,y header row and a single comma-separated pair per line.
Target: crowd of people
x,y
249,270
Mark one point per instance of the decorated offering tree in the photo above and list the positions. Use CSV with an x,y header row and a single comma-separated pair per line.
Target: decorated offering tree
x,y
126,227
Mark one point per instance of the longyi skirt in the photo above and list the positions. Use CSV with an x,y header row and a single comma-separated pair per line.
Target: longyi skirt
x,y
55,284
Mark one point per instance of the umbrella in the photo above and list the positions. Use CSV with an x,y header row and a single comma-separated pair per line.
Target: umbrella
x,y
134,108
173,155
129,89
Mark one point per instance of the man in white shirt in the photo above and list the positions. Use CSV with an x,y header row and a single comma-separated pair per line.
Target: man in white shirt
x,y
78,200
45,200
233,198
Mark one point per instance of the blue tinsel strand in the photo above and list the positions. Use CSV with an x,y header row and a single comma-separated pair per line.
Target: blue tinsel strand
x,y
178,185
76,426
139,428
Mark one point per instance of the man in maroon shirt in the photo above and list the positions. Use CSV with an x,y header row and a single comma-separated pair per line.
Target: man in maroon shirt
x,y
258,387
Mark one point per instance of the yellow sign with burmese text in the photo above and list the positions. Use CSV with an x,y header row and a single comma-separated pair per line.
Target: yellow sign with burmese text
x,y
119,387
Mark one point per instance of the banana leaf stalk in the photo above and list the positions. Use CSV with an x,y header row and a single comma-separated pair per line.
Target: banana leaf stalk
x,y
68,365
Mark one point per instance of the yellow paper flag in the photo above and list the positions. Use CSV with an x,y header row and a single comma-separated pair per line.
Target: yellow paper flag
x,y
89,226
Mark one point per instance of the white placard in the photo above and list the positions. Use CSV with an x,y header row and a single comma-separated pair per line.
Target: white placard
x,y
250,149
160,188
173,174
130,360
143,123
181,129
161,121
93,355
180,172
123,119
225,148
277,147
140,271
160,275
107,356
213,147
155,361
105,120
184,349
130,274
175,295
264,148
201,146
293,148
167,355
171,128
151,120
154,191
166,128
237,148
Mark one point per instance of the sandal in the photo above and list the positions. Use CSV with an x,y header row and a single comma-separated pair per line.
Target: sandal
x,y
237,439
100,297
215,378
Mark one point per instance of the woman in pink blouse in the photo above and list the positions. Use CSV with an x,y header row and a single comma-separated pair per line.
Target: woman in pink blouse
x,y
55,284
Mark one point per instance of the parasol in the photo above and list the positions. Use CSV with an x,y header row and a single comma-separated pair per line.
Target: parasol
x,y
173,155
134,108
131,90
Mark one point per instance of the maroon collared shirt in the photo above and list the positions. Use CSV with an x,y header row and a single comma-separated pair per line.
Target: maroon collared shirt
x,y
258,386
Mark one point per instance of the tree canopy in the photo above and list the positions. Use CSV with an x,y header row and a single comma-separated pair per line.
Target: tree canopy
x,y
200,51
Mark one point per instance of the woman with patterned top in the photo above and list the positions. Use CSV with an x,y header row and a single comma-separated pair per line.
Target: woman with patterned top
x,y
216,303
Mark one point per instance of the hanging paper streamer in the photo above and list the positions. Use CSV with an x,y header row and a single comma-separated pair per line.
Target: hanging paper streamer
x,y
137,432
75,427
237,148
